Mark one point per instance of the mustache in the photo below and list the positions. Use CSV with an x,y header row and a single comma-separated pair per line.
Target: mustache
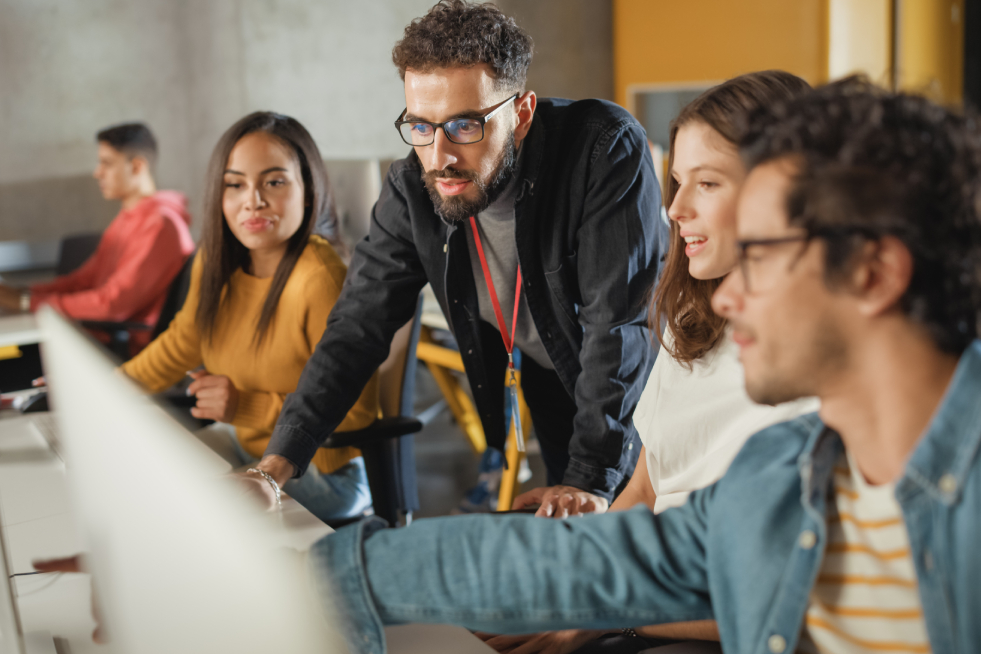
x,y
431,176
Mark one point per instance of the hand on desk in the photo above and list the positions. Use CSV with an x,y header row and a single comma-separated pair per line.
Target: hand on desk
x,y
216,394
256,486
561,502
549,642
74,564
9,298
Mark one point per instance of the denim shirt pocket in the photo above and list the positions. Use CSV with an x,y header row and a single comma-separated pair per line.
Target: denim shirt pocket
x,y
564,284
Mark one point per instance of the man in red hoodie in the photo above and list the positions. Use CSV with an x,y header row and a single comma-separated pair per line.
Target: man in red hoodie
x,y
140,252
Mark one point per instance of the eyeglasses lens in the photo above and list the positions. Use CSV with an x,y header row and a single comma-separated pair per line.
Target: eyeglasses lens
x,y
417,133
464,131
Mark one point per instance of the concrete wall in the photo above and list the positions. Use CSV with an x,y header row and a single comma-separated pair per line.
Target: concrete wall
x,y
190,68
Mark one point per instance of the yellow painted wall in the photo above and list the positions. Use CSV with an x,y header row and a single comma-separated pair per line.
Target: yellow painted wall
x,y
666,41
931,48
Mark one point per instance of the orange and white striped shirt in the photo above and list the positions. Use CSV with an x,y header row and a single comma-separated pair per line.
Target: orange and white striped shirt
x,y
866,598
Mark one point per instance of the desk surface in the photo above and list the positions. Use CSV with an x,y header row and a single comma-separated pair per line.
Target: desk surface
x,y
18,329
39,524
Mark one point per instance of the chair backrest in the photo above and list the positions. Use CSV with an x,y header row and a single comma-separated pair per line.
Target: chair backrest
x,y
356,184
176,294
393,460
75,250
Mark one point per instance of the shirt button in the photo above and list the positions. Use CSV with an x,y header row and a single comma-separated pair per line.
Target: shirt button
x,y
776,644
948,484
807,539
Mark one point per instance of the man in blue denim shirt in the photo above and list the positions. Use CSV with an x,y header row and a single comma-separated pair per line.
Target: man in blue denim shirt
x,y
860,283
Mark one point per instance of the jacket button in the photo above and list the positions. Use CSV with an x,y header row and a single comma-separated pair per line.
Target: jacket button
x,y
776,644
948,484
807,539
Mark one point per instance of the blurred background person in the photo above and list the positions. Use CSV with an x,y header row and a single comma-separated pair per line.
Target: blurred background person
x,y
141,251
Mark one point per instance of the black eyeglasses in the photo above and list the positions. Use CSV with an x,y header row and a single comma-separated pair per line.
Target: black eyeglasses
x,y
750,267
462,131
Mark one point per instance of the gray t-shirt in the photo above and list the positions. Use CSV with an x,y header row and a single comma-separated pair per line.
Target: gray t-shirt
x,y
496,224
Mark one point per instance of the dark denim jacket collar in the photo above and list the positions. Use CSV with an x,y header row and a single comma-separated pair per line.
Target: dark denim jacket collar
x,y
940,462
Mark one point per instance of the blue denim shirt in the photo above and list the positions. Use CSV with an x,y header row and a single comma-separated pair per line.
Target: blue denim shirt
x,y
734,552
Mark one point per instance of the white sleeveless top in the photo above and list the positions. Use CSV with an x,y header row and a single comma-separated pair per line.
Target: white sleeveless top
x,y
694,422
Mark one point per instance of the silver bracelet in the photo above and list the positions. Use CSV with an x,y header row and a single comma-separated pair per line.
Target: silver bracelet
x,y
272,482
629,632
25,301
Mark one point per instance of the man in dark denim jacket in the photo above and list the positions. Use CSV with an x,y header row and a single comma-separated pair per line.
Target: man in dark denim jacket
x,y
855,529
565,189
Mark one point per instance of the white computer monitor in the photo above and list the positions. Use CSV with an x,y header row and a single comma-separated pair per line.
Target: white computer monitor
x,y
180,560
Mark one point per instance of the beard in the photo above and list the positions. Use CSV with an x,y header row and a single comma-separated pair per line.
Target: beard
x,y
454,208
787,378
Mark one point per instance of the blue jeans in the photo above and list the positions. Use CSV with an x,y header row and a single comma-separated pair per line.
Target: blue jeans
x,y
338,495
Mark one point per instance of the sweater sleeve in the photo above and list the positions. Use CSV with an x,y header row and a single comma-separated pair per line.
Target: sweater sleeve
x,y
166,360
146,268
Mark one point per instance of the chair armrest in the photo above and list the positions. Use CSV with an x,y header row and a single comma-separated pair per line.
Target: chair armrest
x,y
112,326
380,430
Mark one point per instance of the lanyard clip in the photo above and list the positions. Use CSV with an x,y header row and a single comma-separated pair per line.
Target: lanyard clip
x,y
510,361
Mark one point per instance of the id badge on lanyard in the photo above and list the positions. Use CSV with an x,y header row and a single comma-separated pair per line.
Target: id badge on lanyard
x,y
508,338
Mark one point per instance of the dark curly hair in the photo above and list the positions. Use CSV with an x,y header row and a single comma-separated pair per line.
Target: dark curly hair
x,y
456,33
872,163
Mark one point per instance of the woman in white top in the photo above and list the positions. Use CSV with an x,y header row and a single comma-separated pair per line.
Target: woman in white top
x,y
694,414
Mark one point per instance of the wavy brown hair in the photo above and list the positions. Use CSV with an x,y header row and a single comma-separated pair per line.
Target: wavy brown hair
x,y
223,254
681,302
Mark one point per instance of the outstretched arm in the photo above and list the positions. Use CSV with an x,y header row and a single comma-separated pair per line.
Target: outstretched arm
x,y
518,574
379,296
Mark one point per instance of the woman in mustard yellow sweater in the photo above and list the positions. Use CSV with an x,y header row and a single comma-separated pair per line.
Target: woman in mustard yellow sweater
x,y
261,290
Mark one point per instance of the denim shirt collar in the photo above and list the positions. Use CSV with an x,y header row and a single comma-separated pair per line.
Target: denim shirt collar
x,y
940,462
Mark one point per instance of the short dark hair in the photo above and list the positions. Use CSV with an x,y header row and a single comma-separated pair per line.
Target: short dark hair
x,y
873,163
456,33
132,139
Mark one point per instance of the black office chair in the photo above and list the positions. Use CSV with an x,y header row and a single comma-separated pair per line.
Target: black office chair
x,y
76,250
387,444
119,332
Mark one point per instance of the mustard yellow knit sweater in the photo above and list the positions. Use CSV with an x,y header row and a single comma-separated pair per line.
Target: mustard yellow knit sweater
x,y
263,376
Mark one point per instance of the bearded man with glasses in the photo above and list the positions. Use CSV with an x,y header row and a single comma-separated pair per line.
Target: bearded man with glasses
x,y
537,224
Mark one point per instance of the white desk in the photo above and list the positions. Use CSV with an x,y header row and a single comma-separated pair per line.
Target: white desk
x,y
38,523
18,329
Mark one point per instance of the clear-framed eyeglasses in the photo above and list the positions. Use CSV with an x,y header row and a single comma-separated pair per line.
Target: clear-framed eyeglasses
x,y
462,131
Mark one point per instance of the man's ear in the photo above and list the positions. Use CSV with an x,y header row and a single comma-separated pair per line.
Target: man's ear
x,y
138,164
882,274
524,107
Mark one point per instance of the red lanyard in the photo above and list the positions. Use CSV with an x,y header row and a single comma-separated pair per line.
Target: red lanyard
x,y
508,338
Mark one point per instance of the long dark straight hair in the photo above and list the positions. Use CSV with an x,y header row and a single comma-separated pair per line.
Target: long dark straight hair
x,y
680,301
223,254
